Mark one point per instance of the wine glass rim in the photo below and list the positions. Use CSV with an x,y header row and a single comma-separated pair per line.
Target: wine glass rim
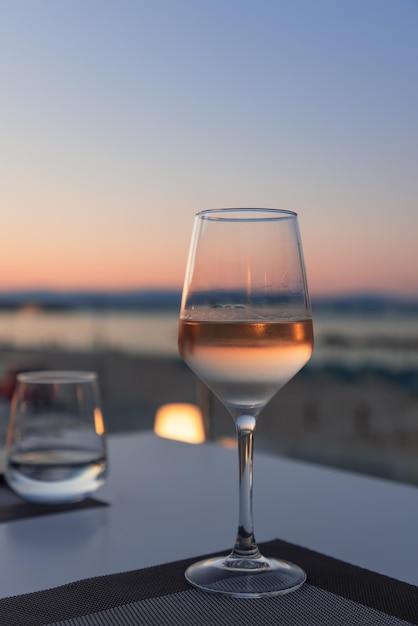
x,y
52,377
246,214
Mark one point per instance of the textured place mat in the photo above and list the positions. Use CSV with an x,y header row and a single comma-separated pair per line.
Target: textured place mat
x,y
12,507
336,594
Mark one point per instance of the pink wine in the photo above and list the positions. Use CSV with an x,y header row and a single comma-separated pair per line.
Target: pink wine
x,y
245,363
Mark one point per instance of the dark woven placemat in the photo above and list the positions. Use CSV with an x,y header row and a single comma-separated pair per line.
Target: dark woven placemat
x,y
104,593
308,606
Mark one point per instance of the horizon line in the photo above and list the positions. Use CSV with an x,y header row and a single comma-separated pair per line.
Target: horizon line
x,y
114,291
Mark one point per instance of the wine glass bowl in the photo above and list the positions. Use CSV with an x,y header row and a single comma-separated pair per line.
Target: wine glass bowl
x,y
245,329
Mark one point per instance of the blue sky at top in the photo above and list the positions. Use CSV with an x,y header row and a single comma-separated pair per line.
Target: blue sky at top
x,y
120,120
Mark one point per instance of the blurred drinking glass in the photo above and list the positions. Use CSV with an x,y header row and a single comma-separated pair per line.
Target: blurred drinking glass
x,y
56,448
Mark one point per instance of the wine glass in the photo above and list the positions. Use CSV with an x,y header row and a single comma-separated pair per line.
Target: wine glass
x,y
245,329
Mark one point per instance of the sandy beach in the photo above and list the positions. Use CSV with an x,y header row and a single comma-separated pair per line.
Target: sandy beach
x,y
363,423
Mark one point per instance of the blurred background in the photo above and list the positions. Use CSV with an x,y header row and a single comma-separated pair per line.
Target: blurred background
x,y
121,120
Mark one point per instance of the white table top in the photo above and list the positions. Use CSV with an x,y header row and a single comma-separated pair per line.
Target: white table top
x,y
171,500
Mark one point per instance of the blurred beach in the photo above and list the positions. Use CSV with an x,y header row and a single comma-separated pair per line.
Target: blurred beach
x,y
354,406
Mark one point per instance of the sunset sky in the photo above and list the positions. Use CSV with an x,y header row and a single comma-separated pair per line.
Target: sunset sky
x,y
120,119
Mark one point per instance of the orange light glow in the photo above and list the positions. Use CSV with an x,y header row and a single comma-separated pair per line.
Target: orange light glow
x,y
98,421
180,421
228,442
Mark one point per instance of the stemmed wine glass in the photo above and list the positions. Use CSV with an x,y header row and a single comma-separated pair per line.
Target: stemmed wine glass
x,y
245,329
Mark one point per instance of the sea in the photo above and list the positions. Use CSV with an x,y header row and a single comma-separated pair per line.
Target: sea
x,y
370,340
349,334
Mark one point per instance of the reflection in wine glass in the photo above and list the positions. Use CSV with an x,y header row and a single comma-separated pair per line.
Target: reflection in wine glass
x,y
245,329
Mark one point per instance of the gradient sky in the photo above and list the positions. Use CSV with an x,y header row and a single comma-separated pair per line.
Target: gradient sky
x,y
121,119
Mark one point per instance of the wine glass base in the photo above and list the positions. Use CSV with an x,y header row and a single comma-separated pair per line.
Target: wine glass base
x,y
245,578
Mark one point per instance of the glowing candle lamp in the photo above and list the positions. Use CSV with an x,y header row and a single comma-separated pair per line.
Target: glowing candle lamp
x,y
180,421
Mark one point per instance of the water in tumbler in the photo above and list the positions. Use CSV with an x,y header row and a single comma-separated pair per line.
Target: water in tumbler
x,y
70,475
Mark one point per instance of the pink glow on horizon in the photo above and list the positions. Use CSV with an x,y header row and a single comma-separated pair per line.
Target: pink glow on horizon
x,y
146,258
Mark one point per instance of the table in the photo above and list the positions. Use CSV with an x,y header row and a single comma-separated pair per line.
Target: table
x,y
170,500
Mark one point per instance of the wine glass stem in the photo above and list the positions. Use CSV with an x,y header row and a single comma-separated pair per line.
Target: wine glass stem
x,y
245,544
